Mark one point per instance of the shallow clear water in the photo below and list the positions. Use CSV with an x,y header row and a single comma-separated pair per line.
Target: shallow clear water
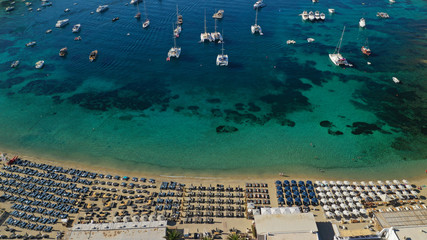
x,y
134,110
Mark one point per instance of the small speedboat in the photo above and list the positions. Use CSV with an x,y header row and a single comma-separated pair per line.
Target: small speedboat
x,y
92,55
362,23
177,31
77,38
317,15
310,39
290,42
365,50
14,64
102,8
61,23
63,52
382,15
28,4
30,9
76,28
322,16
395,80
115,19
39,64
259,4
137,15
311,16
219,14
46,4
30,44
146,23
331,10
67,10
10,8
304,15
49,31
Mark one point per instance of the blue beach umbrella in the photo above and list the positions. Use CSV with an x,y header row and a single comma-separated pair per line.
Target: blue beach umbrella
x,y
310,183
306,201
279,193
302,188
298,201
288,194
286,183
293,182
304,194
295,193
310,188
314,202
301,183
278,182
281,200
312,195
279,187
287,188
294,188
290,201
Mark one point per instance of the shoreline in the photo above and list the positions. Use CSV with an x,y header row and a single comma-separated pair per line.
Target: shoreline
x,y
222,176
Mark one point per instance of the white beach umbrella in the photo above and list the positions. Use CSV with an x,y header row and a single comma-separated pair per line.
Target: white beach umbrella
x,y
396,181
359,205
359,189
349,199
405,192
352,205
371,183
353,193
345,193
332,183
384,188
325,182
392,187
343,206
322,195
346,183
327,188
330,215
363,211
326,208
414,193
405,181
334,206
135,218
324,201
355,183
356,199
332,200
371,194
350,188
409,186
338,194
145,218
363,183
347,213
356,212
341,200
338,213
335,188
343,188
339,183
318,183
388,182
380,182
329,194
401,187
375,189
364,196
319,189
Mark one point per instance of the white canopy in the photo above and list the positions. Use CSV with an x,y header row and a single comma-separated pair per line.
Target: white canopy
x,y
352,193
317,183
363,195
393,187
322,195
355,183
319,189
375,189
343,188
327,188
408,186
371,194
343,206
385,198
338,194
414,193
337,213
359,189
335,188
325,182
363,183
349,199
401,187
329,194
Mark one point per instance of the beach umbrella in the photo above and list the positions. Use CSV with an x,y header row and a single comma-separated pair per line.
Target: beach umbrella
x,y
359,205
295,193
363,183
293,182
352,205
356,199
343,188
350,188
314,201
338,194
347,213
349,199
332,183
326,208
339,183
294,188
279,187
286,183
323,201
322,195
392,187
329,215
306,201
298,201
312,195
302,188
332,200
290,201
287,188
363,195
327,188
309,182
279,193
334,206
318,183
355,183
384,188
371,194
396,181
319,189
343,206
375,189
346,183
359,189
338,213
414,193
388,182
329,194
353,193
405,181
408,186
301,183
341,200
371,183
281,200
278,182
401,187
325,182
363,211
288,194
380,182
335,188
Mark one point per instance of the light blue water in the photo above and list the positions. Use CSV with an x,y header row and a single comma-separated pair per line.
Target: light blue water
x,y
134,110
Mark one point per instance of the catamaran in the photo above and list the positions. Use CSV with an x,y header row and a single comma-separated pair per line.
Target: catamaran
x,y
365,49
362,23
256,28
174,51
216,36
205,36
147,21
222,59
336,57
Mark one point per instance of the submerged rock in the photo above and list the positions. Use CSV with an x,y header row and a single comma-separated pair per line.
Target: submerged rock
x,y
226,129
326,124
335,133
364,128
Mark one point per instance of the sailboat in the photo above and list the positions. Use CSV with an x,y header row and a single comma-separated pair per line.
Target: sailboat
x,y
365,49
216,36
336,57
138,14
174,51
178,17
205,36
222,59
147,21
256,28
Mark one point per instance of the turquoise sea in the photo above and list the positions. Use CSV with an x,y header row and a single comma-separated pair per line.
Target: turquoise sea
x,y
294,111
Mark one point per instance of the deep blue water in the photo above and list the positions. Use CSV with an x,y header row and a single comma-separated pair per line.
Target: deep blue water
x,y
293,109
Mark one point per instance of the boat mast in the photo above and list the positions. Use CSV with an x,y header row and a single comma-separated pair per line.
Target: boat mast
x,y
215,25
205,21
137,6
177,13
145,10
256,16
222,49
174,37
337,49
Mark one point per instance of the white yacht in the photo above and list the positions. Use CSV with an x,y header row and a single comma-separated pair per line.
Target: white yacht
x,y
30,44
289,42
317,15
259,4
310,40
10,8
322,16
76,28
134,1
147,21
336,57
39,64
304,15
222,59
331,10
14,64
311,16
62,23
205,36
395,80
362,23
174,51
216,36
102,8
256,28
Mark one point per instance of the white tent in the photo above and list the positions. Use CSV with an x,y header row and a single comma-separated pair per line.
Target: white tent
x,y
364,196
349,199
359,205
371,194
338,194
325,182
329,194
335,188
359,189
322,195
363,183
401,187
319,189
352,193
393,187
327,188
384,188
375,189
408,186
414,193
317,183
332,183
355,183
343,188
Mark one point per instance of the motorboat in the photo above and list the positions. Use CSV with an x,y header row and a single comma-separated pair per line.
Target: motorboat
x,y
362,23
315,1
93,55
134,1
76,28
39,64
259,4
311,16
63,52
392,1
304,15
256,28
179,20
46,4
331,10
317,15
137,15
205,37
62,23
28,4
67,10
322,16
222,59
382,15
30,9
39,9
102,8
147,21
30,44
14,64
365,50
216,36
10,8
49,31
395,80
336,57
289,42
219,14
174,51
177,30
115,19
310,40
77,38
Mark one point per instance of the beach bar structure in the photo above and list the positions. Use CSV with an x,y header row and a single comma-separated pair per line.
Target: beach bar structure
x,y
294,226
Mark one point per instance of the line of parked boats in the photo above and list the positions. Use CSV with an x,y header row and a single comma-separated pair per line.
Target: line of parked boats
x,y
313,16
